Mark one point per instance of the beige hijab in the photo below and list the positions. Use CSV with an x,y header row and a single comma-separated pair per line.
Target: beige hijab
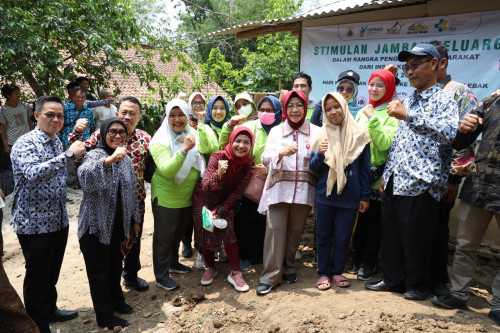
x,y
346,142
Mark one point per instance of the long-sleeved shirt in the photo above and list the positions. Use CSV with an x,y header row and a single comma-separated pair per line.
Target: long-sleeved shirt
x,y
482,187
39,167
138,150
88,103
420,155
357,186
289,180
101,186
70,114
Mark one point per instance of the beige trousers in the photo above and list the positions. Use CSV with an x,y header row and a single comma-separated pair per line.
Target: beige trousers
x,y
472,224
284,225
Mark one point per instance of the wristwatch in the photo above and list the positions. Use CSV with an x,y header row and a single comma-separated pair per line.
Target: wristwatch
x,y
69,154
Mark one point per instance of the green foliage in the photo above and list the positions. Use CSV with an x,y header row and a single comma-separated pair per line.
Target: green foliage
x,y
47,42
152,111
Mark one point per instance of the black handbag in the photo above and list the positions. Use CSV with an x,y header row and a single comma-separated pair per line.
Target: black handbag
x,y
150,168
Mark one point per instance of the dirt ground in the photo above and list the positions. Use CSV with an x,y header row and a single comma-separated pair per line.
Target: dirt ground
x,y
298,307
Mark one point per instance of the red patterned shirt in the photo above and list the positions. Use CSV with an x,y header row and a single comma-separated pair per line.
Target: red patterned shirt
x,y
138,150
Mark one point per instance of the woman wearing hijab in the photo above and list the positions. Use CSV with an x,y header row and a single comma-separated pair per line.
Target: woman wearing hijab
x,y
289,190
179,165
197,104
225,179
347,86
381,128
217,113
244,106
341,156
109,214
249,223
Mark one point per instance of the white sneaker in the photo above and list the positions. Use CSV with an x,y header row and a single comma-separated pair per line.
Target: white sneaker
x,y
200,262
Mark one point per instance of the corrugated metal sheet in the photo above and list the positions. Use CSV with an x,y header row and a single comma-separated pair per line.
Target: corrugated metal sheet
x,y
342,7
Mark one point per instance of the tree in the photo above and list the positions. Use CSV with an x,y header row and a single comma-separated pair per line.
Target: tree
x,y
47,42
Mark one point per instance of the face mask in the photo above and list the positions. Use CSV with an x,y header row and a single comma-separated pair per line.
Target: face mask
x,y
245,110
266,118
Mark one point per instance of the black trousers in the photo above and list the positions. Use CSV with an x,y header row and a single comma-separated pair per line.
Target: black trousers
x,y
132,263
188,235
43,254
366,239
104,267
409,225
250,230
439,256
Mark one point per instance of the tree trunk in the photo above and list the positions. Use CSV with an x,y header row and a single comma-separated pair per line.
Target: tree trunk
x,y
33,83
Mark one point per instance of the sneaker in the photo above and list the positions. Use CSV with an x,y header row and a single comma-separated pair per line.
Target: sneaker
x,y
245,265
290,278
237,281
187,250
353,268
366,272
440,289
449,302
263,289
208,276
200,262
168,284
179,268
221,255
298,255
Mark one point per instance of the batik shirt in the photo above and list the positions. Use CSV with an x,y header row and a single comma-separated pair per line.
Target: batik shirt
x,y
138,150
420,155
39,167
88,103
70,113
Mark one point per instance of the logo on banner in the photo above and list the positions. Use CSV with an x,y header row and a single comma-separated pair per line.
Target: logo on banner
x,y
370,31
442,25
350,31
395,29
417,28
362,31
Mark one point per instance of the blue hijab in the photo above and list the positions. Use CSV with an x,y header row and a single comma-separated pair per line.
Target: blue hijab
x,y
352,103
277,112
209,119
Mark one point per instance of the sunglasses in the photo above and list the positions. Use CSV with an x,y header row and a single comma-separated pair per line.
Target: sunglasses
x,y
348,90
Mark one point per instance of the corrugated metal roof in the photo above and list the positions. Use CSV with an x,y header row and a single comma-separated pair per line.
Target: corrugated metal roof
x,y
341,7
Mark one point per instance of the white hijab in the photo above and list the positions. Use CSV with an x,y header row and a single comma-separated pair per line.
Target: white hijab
x,y
173,140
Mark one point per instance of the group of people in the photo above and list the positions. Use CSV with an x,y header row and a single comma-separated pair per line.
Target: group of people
x,y
382,175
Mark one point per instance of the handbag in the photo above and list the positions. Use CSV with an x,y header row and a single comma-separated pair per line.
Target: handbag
x,y
255,188
150,168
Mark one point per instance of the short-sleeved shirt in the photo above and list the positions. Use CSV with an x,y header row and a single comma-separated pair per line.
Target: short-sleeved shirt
x,y
16,120
70,114
102,112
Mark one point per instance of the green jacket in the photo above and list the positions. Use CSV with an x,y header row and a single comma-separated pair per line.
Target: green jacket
x,y
259,133
381,129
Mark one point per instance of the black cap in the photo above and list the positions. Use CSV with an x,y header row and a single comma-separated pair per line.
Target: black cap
x,y
423,49
349,74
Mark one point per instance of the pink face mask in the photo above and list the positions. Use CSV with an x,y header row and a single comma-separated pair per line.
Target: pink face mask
x,y
266,118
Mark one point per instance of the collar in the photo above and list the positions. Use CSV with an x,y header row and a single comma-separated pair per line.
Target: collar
x,y
43,136
426,94
133,137
444,81
304,129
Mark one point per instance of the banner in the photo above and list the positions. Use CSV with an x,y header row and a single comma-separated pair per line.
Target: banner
x,y
473,42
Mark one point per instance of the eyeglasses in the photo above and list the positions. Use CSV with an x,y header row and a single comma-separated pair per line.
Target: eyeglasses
x,y
113,132
53,115
348,90
296,106
266,110
198,103
416,65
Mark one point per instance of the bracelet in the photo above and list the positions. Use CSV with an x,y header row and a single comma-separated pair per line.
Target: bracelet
x,y
182,152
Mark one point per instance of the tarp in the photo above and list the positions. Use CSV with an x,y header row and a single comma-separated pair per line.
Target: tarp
x,y
473,42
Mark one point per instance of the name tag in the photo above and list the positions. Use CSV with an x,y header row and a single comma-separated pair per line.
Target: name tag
x,y
305,163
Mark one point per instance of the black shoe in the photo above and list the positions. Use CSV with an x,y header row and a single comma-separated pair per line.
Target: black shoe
x,y
61,315
495,315
187,250
137,284
449,302
263,289
354,268
123,308
414,295
290,278
366,272
114,322
440,289
179,268
382,286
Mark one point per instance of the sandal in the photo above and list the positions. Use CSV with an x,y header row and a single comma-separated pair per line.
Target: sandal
x,y
340,281
323,283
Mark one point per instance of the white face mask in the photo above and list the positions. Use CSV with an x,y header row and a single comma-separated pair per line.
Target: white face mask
x,y
245,110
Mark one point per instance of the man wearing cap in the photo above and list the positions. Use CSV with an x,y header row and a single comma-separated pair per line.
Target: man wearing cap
x,y
415,176
347,86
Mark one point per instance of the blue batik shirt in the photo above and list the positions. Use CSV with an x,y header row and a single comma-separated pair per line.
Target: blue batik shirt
x,y
420,155
70,113
39,166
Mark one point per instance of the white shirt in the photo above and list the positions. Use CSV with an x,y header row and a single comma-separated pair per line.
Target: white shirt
x,y
289,180
102,112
